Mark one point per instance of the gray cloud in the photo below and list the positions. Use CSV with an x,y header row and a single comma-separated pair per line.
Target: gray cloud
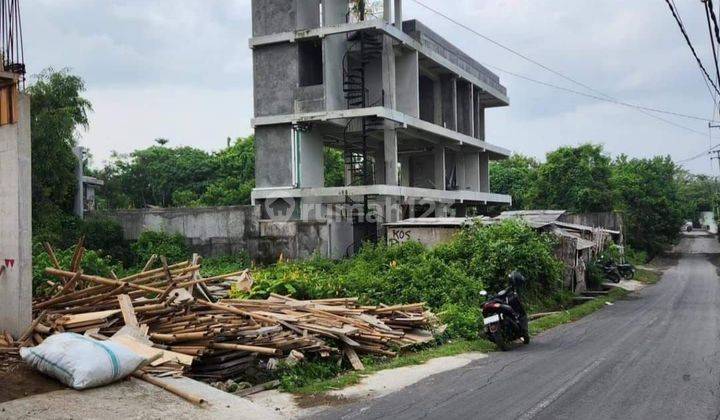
x,y
182,69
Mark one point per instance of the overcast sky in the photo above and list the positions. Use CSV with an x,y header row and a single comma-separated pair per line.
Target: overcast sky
x,y
181,69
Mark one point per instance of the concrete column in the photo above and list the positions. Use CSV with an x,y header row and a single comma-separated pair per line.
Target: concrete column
x,y
484,172
471,169
481,124
398,14
388,72
387,11
439,172
380,165
438,103
460,170
449,101
79,205
471,112
15,223
391,156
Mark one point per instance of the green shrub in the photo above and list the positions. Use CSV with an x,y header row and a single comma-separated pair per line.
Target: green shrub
x,y
93,263
173,247
105,236
464,321
448,278
226,264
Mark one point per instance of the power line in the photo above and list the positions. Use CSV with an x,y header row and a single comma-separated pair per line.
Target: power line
x,y
689,43
602,97
708,12
616,102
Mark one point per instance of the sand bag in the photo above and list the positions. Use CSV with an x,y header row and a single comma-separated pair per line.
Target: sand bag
x,y
81,362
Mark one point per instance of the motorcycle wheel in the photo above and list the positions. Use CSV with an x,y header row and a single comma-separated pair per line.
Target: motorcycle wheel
x,y
499,340
630,274
614,276
526,338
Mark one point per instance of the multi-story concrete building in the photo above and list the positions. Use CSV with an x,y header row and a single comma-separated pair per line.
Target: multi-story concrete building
x,y
405,107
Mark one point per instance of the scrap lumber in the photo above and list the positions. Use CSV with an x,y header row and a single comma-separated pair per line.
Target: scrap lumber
x,y
186,324
353,358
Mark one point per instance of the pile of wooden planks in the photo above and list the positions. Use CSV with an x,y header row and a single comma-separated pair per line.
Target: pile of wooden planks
x,y
186,325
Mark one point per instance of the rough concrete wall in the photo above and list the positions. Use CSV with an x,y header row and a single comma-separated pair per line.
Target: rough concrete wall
x,y
275,78
273,156
217,231
312,159
428,236
308,14
15,224
334,47
464,107
407,78
273,16
607,220
449,102
309,99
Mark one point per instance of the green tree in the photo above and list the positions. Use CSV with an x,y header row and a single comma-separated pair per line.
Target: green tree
x,y
575,179
58,110
647,192
334,168
234,176
699,193
151,176
514,176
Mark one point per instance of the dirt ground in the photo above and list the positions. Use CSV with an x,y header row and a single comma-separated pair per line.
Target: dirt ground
x,y
18,380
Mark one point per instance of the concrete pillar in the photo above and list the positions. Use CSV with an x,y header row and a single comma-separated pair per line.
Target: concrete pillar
x,y
15,223
471,170
460,170
438,103
471,111
391,156
398,14
312,159
387,11
449,101
380,165
388,72
439,172
79,204
484,172
481,124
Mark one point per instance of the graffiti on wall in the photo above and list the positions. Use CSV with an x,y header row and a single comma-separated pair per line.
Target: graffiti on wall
x,y
398,236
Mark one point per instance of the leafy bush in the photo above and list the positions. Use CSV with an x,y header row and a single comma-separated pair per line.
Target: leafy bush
x,y
93,263
490,253
448,278
464,321
226,264
171,246
105,236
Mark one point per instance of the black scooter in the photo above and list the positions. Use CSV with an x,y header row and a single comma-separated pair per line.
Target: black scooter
x,y
612,272
626,270
504,316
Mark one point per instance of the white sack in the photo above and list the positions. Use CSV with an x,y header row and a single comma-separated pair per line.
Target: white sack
x,y
81,362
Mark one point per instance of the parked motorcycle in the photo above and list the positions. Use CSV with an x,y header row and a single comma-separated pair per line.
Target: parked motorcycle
x,y
626,270
611,271
504,316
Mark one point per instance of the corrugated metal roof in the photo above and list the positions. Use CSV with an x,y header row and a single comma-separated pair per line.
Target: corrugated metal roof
x,y
538,216
440,221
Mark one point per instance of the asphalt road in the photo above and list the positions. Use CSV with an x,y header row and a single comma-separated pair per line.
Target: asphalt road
x,y
654,355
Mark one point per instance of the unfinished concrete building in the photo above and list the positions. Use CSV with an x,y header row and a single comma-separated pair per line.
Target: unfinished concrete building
x,y
405,107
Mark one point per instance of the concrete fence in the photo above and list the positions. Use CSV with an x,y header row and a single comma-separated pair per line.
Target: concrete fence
x,y
216,231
